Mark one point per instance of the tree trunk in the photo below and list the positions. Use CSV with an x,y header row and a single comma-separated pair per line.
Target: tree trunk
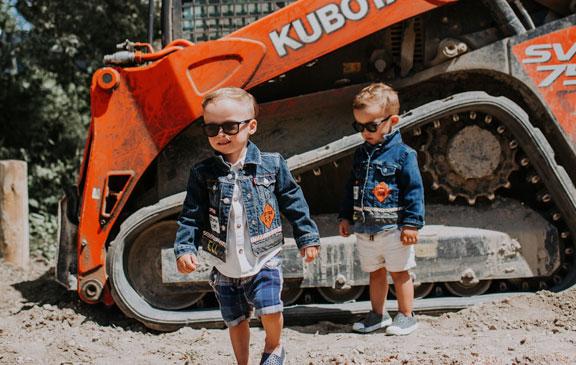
x,y
14,243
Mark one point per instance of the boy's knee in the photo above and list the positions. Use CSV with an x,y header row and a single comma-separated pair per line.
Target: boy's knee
x,y
400,275
271,316
239,324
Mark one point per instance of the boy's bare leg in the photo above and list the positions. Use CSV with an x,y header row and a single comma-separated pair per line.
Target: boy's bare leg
x,y
404,291
272,324
240,338
378,290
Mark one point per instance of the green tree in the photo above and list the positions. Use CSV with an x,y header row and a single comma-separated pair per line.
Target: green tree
x,y
49,50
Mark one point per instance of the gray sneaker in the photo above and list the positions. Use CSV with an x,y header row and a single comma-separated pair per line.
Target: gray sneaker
x,y
372,322
402,325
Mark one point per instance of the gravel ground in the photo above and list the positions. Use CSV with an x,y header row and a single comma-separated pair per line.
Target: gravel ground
x,y
41,323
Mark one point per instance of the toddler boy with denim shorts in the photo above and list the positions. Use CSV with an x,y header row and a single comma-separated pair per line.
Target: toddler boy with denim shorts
x,y
384,199
232,209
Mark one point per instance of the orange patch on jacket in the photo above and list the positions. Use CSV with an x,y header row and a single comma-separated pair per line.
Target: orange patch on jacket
x,y
381,191
268,215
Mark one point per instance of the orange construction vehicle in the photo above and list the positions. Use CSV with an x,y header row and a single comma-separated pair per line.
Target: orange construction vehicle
x,y
489,89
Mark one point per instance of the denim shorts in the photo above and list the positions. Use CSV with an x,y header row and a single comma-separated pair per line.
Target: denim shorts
x,y
238,298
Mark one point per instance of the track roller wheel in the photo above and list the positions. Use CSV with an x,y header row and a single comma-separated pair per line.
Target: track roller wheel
x,y
334,295
291,294
467,290
141,269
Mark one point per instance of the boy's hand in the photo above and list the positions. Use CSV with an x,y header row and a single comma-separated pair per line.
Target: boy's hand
x,y
344,228
409,235
187,263
310,252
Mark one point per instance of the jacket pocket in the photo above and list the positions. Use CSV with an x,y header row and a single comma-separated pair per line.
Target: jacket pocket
x,y
264,185
386,169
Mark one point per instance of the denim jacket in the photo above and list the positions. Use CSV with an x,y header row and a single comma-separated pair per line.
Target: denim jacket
x,y
267,188
385,188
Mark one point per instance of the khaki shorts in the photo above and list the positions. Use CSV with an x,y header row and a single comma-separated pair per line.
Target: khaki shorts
x,y
384,251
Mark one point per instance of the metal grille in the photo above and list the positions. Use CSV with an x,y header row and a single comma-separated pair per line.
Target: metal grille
x,y
212,19
394,36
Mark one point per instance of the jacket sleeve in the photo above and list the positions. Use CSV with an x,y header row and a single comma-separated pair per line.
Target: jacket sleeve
x,y
192,219
412,192
347,204
293,205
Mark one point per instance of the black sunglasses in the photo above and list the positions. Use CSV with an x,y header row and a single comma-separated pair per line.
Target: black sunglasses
x,y
370,127
229,127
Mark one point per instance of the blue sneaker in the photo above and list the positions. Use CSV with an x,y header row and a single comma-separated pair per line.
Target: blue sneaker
x,y
274,358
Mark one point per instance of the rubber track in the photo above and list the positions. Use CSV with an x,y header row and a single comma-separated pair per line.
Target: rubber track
x,y
531,140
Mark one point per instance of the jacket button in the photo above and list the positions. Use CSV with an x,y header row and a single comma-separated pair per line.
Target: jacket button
x,y
230,176
223,227
238,226
241,251
235,199
226,201
249,196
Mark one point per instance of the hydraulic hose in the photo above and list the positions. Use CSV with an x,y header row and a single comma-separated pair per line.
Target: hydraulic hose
x,y
505,17
140,57
525,15
180,43
127,57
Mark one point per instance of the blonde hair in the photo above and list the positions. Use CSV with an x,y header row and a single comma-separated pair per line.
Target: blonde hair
x,y
378,94
234,93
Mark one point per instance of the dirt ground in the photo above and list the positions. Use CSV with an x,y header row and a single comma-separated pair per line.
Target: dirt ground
x,y
41,323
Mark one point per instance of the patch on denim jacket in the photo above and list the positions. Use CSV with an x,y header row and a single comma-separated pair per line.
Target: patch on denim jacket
x,y
381,191
213,245
267,241
214,223
267,216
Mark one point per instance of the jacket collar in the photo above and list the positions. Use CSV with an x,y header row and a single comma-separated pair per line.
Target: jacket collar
x,y
253,156
391,139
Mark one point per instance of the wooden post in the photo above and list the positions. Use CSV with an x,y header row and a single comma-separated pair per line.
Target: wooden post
x,y
14,243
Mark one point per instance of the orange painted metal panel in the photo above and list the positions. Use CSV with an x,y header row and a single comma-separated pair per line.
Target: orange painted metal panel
x,y
550,61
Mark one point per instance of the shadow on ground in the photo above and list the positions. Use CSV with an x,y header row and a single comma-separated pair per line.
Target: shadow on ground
x,y
45,290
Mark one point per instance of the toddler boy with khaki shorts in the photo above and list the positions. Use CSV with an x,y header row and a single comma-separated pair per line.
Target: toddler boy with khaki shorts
x,y
384,201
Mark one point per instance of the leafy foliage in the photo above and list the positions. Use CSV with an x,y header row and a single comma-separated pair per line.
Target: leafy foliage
x,y
48,52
